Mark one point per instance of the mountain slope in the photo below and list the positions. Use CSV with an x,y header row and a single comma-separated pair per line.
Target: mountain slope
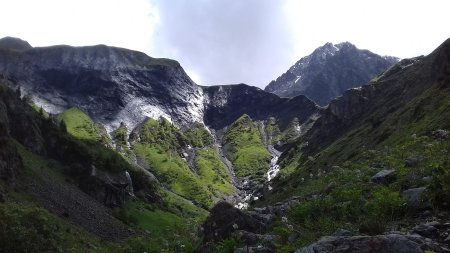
x,y
110,84
395,128
329,71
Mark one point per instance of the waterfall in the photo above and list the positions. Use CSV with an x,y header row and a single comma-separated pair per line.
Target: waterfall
x,y
130,183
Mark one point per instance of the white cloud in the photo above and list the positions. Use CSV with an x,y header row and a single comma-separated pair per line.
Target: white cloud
x,y
120,23
225,41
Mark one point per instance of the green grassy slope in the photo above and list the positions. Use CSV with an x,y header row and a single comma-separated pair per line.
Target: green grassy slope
x,y
334,184
245,147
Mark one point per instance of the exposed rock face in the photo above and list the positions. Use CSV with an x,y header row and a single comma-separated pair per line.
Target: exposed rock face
x,y
224,104
390,243
111,84
329,71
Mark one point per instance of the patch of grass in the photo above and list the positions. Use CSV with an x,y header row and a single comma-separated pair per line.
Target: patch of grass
x,y
172,170
245,147
80,125
213,172
198,136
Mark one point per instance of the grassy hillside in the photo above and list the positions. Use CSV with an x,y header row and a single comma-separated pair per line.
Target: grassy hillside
x,y
163,147
80,125
246,150
335,186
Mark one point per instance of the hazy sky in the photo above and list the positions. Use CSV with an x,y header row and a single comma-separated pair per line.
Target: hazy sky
x,y
231,41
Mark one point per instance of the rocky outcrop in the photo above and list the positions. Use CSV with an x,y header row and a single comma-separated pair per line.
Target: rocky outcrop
x,y
110,189
226,103
329,71
389,243
224,219
17,44
110,84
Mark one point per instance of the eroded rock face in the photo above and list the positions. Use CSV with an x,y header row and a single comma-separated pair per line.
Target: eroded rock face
x,y
390,243
226,103
111,84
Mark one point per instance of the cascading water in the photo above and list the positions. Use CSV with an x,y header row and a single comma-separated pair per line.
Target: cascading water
x,y
273,171
130,183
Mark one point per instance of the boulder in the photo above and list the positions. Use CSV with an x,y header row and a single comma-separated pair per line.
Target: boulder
x,y
413,196
389,243
224,219
413,161
428,229
384,177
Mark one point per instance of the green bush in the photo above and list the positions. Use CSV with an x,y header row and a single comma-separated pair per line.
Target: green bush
x,y
24,229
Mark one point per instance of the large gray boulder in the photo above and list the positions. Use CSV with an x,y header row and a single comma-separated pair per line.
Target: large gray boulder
x,y
384,177
390,243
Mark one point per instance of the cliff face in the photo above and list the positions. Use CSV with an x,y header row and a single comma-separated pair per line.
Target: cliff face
x,y
112,84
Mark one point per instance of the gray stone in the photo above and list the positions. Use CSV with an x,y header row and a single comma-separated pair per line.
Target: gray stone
x,y
384,177
257,249
390,243
413,196
343,232
413,161
428,230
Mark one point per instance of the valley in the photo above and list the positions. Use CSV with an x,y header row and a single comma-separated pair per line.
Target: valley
x,y
105,149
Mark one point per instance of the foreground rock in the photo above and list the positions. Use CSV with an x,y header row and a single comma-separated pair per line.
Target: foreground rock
x,y
225,219
390,243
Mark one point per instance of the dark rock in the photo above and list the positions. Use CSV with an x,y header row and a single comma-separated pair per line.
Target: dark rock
x,y
447,240
441,134
413,161
110,189
256,239
384,177
428,230
258,249
414,196
224,219
11,43
343,232
390,243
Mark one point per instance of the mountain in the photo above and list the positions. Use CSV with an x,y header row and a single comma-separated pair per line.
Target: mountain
x,y
329,71
112,85
109,150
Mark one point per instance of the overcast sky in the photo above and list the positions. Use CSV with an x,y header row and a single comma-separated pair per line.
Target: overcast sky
x,y
231,41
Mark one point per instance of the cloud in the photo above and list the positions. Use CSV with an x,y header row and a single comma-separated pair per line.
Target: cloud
x,y
225,41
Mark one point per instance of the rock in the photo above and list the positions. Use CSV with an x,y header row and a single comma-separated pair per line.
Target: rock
x,y
427,213
258,249
413,161
447,240
441,134
428,230
254,239
384,177
223,216
293,237
390,243
343,232
414,196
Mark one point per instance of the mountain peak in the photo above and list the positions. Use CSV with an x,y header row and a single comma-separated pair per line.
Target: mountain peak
x,y
12,43
328,71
